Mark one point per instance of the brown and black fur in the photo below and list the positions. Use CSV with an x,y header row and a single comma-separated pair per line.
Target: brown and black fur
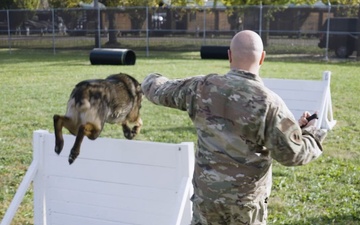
x,y
92,103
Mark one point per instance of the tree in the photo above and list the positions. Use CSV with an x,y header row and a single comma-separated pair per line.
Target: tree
x,y
111,8
19,4
266,11
18,17
66,3
135,15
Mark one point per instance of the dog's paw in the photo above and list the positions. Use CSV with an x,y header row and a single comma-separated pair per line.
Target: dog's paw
x,y
129,134
58,147
73,155
71,159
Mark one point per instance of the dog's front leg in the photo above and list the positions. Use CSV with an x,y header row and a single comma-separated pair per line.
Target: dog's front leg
x,y
131,133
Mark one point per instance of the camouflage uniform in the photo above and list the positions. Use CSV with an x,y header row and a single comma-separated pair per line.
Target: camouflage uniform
x,y
241,126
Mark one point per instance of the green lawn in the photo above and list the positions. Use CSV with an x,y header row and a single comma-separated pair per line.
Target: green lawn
x,y
36,85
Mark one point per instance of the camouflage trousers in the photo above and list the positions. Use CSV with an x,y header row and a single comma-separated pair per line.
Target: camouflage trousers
x,y
209,213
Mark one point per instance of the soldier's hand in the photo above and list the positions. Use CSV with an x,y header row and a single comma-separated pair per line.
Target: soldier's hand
x,y
307,119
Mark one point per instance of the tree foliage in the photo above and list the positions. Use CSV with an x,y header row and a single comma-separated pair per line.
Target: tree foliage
x,y
66,3
119,3
27,4
34,4
254,2
116,3
19,4
344,2
286,2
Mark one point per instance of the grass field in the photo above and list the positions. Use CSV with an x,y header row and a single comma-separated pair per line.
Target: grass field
x,y
34,86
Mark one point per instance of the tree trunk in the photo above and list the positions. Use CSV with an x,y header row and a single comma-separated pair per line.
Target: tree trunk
x,y
137,19
112,30
235,20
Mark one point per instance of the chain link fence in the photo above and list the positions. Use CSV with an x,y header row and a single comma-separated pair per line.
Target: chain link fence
x,y
284,30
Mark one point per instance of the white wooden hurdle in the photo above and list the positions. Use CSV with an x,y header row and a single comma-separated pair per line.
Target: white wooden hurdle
x,y
134,182
306,95
112,182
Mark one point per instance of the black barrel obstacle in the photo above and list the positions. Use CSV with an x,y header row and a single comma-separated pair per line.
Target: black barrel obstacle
x,y
112,56
214,52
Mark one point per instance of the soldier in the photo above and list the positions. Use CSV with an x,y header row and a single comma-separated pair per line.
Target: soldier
x,y
241,126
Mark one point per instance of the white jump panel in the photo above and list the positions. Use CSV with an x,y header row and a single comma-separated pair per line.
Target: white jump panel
x,y
113,182
306,95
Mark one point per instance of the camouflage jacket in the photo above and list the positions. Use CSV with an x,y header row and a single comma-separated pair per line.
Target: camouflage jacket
x,y
241,126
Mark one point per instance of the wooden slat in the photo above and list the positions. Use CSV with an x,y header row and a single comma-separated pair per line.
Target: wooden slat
x,y
106,171
118,150
115,202
293,84
299,95
107,188
62,219
106,214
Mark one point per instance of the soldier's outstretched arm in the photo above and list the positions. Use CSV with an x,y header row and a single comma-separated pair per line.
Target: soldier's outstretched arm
x,y
171,93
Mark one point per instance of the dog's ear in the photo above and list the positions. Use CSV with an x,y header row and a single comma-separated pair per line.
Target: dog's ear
x,y
138,89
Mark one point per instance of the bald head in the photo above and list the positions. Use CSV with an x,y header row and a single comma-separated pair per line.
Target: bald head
x,y
246,51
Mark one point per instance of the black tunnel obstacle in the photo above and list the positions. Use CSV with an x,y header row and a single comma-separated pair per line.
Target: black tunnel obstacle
x,y
214,52
111,56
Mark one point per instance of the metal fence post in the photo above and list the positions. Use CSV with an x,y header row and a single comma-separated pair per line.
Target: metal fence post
x,y
98,36
99,25
147,31
9,33
53,30
260,19
327,32
204,27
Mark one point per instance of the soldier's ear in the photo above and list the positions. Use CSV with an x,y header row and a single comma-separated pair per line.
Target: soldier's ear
x,y
229,55
263,54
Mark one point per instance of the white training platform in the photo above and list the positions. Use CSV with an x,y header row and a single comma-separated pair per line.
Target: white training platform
x,y
122,182
112,182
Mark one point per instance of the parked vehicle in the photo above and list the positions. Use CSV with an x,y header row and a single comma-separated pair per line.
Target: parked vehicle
x,y
342,36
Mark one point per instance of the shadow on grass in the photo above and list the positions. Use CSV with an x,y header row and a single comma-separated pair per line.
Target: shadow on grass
x,y
36,55
70,54
335,220
185,129
47,55
310,58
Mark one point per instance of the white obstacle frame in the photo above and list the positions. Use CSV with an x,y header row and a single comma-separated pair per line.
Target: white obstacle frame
x,y
133,182
306,95
112,182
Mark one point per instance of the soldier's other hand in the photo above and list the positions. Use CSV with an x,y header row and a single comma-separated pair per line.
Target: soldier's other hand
x,y
304,122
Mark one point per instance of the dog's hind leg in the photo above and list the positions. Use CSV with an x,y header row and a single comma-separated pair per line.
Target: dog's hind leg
x,y
88,130
75,151
58,125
